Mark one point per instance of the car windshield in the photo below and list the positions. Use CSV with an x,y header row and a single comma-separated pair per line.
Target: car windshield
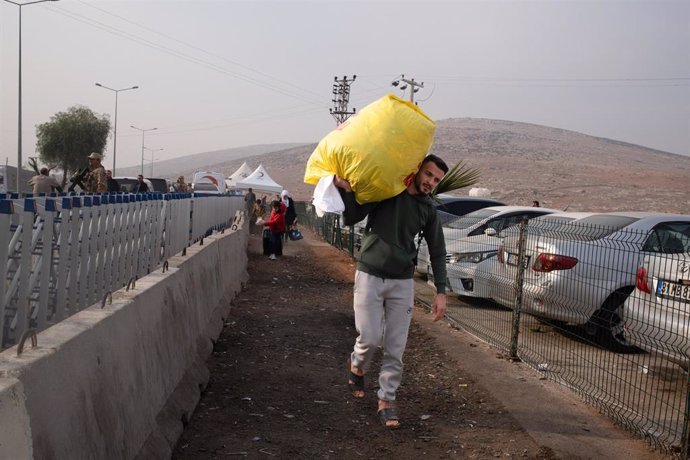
x,y
470,219
593,227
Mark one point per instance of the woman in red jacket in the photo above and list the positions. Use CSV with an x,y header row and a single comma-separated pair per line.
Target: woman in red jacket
x,y
276,224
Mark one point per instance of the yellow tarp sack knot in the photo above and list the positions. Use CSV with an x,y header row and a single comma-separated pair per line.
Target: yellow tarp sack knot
x,y
375,150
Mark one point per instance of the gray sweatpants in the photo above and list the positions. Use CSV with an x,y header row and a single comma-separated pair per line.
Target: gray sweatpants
x,y
383,311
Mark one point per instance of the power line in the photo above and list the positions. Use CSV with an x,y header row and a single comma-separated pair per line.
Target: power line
x,y
466,78
122,18
112,30
167,130
564,82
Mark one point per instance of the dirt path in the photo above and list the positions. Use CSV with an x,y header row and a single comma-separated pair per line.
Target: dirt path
x,y
278,386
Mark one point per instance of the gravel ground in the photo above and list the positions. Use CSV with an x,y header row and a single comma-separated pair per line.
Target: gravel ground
x,y
278,384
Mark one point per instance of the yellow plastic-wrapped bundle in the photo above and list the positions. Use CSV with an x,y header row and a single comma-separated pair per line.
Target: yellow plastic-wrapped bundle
x,y
375,150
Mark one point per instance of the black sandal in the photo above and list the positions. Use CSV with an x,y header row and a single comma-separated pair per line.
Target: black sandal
x,y
389,414
355,382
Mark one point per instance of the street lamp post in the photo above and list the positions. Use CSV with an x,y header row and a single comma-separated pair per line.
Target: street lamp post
x,y
116,91
19,92
153,152
143,134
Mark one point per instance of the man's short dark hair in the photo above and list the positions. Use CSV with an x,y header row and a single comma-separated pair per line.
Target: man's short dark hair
x,y
437,161
44,171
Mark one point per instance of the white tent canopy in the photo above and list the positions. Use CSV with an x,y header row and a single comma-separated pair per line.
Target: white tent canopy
x,y
260,180
242,173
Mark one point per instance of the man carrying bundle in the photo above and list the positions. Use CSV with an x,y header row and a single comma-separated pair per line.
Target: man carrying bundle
x,y
384,287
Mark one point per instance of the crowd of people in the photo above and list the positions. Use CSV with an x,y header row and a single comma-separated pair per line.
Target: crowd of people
x,y
96,179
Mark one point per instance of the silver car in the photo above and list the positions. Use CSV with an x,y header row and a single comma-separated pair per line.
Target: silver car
x,y
657,313
470,262
582,272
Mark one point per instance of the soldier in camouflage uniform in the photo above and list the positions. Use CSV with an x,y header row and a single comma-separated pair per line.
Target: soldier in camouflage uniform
x,y
96,180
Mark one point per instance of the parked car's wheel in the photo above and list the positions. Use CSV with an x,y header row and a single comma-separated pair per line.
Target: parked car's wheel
x,y
609,323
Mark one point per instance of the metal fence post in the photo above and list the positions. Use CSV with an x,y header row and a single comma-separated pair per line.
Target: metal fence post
x,y
25,263
351,240
336,236
327,226
518,292
6,211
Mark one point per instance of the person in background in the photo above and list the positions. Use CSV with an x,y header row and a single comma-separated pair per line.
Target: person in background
x,y
535,204
384,286
140,186
96,180
249,200
258,210
181,185
257,213
276,224
43,183
264,204
113,186
290,212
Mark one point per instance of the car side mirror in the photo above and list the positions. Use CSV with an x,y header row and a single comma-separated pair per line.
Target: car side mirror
x,y
490,232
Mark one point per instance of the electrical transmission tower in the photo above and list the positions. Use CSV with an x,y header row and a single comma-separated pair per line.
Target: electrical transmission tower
x,y
403,83
341,93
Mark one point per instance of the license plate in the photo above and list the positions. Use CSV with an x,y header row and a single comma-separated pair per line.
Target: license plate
x,y
513,260
671,290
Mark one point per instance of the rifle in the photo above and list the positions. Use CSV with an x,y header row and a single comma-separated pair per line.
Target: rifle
x,y
78,179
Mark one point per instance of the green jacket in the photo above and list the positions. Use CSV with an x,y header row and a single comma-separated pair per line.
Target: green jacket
x,y
388,248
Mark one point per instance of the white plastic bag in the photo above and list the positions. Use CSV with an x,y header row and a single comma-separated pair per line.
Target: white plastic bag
x,y
327,198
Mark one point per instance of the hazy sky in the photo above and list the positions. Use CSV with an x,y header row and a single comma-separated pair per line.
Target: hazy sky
x,y
220,74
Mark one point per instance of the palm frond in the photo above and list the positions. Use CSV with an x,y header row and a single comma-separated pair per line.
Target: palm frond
x,y
457,177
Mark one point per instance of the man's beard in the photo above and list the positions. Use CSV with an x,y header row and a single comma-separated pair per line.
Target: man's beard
x,y
418,185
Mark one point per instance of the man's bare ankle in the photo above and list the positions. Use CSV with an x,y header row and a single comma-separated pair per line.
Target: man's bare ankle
x,y
383,404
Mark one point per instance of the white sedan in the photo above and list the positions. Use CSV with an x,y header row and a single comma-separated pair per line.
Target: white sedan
x,y
583,272
657,313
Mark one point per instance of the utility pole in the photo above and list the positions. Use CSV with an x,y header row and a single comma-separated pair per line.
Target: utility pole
x,y
341,93
405,82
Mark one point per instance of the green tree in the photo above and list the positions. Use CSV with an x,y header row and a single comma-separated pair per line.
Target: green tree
x,y
69,137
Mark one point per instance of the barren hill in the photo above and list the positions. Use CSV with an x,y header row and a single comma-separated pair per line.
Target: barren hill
x,y
521,162
213,160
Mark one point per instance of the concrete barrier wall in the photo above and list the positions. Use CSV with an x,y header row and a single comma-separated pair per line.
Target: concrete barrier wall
x,y
118,382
